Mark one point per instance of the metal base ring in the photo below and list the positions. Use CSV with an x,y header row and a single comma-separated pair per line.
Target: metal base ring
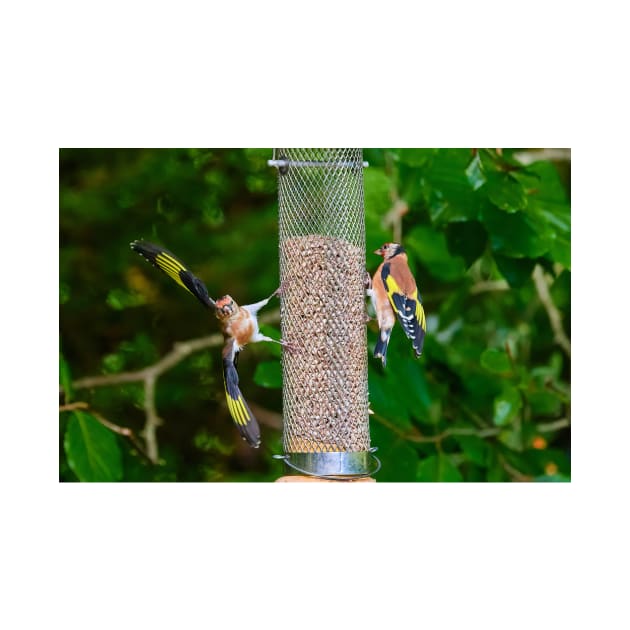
x,y
339,466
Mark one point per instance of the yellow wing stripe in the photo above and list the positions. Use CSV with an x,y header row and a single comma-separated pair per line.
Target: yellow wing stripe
x,y
230,403
421,316
237,408
233,412
171,267
241,404
167,267
392,286
169,260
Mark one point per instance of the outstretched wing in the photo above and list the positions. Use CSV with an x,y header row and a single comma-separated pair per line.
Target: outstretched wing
x,y
174,268
408,309
241,414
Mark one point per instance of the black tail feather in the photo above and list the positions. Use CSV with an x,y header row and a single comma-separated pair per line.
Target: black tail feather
x,y
380,350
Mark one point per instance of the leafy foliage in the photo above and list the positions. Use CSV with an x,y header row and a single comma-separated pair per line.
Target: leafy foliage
x,y
92,450
489,400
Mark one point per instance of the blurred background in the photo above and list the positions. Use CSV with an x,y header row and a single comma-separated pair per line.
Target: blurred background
x,y
488,237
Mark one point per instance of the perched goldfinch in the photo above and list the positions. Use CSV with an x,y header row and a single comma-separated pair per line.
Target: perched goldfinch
x,y
239,325
394,291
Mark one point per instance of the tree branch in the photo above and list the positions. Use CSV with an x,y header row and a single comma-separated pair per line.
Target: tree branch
x,y
555,317
73,406
418,438
489,285
516,474
528,157
548,427
490,431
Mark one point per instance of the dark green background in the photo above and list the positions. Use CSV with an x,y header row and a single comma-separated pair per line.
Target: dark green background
x,y
489,399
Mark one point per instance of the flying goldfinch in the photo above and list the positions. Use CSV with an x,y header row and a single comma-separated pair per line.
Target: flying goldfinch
x,y
394,291
239,325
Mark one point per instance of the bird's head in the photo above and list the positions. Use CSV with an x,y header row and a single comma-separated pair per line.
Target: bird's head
x,y
388,250
226,307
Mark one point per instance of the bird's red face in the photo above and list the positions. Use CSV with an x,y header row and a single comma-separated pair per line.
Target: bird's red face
x,y
388,250
225,307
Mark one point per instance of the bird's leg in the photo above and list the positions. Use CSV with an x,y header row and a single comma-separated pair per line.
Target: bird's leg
x,y
254,308
285,344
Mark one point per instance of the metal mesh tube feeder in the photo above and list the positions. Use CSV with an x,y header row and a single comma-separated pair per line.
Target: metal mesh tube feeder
x,y
322,269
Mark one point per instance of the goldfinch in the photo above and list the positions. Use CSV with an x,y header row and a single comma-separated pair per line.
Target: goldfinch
x,y
395,292
239,325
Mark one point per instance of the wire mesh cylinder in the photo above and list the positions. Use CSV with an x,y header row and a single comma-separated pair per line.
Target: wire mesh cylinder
x,y
322,268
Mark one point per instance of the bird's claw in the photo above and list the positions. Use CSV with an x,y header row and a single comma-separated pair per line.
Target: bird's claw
x,y
289,346
367,281
281,290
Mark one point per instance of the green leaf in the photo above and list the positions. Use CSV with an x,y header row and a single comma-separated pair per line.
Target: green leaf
x,y
517,271
447,188
474,173
438,468
505,192
517,234
506,406
555,219
386,396
475,448
544,403
512,437
399,460
268,374
560,251
415,391
414,157
549,209
429,246
91,449
495,360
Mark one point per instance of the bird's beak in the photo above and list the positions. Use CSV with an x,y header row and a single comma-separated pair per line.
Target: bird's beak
x,y
379,251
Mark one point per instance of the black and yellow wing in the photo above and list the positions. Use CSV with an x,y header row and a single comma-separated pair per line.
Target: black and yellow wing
x,y
174,268
408,309
244,419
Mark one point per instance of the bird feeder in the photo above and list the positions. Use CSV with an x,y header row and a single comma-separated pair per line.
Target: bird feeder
x,y
323,316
